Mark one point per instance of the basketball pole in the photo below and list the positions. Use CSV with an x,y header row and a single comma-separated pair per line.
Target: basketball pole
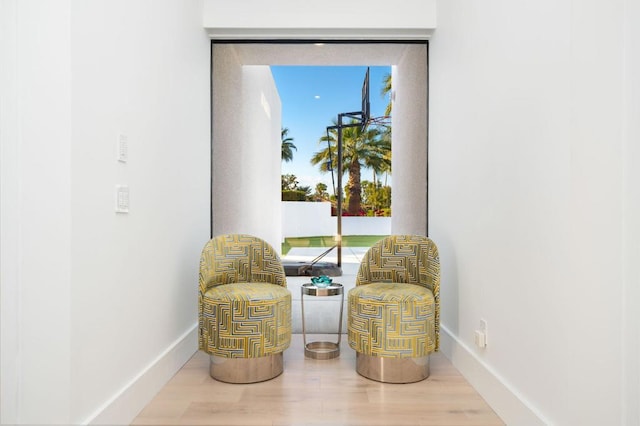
x,y
339,194
357,115
362,118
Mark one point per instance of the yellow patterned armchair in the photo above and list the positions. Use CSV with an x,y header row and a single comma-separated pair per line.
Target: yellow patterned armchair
x,y
244,309
394,310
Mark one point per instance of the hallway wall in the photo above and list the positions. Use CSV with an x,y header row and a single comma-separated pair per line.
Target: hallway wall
x,y
534,199
631,223
101,298
531,203
35,139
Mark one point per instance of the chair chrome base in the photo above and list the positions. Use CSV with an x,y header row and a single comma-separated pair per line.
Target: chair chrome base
x,y
245,370
392,370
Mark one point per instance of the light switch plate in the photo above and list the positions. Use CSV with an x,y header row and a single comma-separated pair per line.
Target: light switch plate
x,y
122,199
123,148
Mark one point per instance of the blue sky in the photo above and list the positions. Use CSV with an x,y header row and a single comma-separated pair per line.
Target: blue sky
x,y
312,97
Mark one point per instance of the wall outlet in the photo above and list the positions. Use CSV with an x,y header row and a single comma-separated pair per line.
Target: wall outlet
x,y
480,337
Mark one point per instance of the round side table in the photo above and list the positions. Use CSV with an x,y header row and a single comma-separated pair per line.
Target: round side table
x,y
322,350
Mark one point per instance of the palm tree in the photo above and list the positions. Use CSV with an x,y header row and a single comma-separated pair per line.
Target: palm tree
x,y
385,166
287,145
380,163
321,193
359,149
386,90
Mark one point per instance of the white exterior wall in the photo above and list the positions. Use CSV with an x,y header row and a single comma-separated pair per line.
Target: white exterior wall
x,y
246,149
307,219
301,219
105,304
258,196
361,225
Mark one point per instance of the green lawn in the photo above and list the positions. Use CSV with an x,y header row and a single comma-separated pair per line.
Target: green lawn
x,y
327,241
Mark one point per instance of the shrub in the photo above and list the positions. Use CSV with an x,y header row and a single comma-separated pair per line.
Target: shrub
x,y
294,196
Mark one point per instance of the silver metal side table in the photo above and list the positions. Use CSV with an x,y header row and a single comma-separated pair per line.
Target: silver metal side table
x,y
322,350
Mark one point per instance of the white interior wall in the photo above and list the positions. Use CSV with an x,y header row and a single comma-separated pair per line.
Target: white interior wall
x,y
102,299
483,94
9,214
596,131
409,148
526,153
150,61
333,19
35,135
631,224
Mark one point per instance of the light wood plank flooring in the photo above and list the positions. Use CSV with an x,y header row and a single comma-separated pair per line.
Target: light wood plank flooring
x,y
315,392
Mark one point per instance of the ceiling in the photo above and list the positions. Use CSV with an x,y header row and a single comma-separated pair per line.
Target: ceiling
x,y
352,53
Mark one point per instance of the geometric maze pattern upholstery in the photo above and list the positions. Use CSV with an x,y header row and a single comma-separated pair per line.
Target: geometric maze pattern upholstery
x,y
394,310
246,320
239,258
392,320
245,308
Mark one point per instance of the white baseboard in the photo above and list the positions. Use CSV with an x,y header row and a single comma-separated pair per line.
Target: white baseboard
x,y
506,401
125,405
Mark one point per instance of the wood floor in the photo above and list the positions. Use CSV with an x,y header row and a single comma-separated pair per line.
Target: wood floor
x,y
316,392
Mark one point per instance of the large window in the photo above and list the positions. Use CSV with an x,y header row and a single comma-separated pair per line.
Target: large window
x,y
250,117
